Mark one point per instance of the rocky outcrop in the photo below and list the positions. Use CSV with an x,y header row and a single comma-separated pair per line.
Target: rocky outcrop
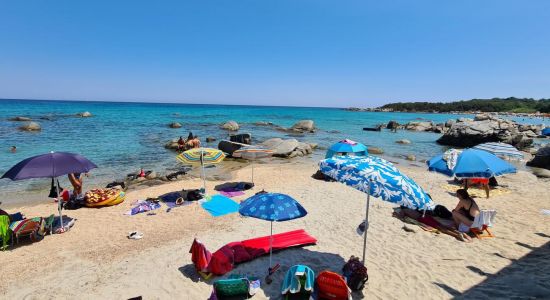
x,y
487,128
262,123
20,119
288,148
172,144
230,125
85,114
30,126
542,158
174,125
419,126
304,126
375,150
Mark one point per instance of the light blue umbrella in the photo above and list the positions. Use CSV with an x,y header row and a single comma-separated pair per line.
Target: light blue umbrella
x,y
472,163
379,178
501,150
272,207
346,147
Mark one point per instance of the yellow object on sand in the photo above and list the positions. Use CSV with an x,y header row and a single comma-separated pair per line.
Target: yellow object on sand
x,y
107,197
476,191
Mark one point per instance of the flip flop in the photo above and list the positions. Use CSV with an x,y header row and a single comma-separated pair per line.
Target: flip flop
x,y
135,235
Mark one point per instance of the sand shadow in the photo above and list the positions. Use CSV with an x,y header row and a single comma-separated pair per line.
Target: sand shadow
x,y
448,289
318,261
478,271
524,278
542,234
525,246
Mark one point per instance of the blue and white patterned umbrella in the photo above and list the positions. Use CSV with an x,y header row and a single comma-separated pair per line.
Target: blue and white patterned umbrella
x,y
272,207
386,181
501,149
378,178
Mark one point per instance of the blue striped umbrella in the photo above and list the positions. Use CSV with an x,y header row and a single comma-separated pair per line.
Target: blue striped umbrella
x,y
501,149
272,207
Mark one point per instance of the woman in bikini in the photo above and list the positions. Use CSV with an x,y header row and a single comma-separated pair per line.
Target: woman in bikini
x,y
465,211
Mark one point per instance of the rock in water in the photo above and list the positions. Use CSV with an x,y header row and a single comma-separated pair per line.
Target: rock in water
x,y
85,114
411,157
304,126
419,126
20,119
375,150
403,141
230,125
542,158
30,126
392,125
175,125
172,144
210,139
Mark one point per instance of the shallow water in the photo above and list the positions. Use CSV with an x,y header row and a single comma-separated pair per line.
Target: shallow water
x,y
122,137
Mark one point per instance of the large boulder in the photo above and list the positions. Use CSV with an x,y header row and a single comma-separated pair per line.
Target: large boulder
x,y
542,158
172,144
230,125
419,126
304,126
288,148
20,119
468,133
85,114
30,126
174,125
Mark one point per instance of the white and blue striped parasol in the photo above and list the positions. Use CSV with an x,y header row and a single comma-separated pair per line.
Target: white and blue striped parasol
x,y
501,149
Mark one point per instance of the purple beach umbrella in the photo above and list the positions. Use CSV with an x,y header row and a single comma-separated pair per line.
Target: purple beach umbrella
x,y
50,165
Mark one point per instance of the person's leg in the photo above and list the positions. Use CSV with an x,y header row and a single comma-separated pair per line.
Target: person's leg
x,y
486,187
460,218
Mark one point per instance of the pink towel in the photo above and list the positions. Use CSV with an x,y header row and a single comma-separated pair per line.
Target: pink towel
x,y
232,194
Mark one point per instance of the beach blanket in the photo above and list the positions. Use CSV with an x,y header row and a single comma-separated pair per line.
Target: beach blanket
x,y
218,205
477,192
143,206
232,193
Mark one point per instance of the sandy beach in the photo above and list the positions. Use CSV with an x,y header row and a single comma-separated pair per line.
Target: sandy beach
x,y
96,260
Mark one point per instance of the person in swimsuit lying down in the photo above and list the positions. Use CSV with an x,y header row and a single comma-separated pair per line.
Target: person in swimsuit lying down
x,y
465,211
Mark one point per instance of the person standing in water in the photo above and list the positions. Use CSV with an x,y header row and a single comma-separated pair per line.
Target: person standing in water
x,y
13,149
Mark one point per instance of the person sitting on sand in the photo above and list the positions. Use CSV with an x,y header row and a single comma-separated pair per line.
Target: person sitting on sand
x,y
465,211
77,183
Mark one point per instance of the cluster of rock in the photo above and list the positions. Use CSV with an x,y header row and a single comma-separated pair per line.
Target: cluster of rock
x,y
174,125
486,128
85,114
303,126
288,148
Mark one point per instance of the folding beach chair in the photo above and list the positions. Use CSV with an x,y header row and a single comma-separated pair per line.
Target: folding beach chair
x,y
482,222
332,286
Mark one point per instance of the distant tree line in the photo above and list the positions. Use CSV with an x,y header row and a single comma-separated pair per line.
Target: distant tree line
x,y
518,105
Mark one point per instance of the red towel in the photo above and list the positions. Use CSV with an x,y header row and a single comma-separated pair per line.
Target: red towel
x,y
200,256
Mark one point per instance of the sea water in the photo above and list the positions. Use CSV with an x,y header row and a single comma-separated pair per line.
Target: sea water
x,y
121,138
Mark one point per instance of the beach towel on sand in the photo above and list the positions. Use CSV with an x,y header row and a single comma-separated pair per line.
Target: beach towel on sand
x,y
218,205
143,206
232,194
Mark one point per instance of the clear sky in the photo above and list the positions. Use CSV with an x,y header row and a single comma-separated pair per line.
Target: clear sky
x,y
274,52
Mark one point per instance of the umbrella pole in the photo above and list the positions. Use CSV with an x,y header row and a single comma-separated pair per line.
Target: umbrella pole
x,y
252,172
270,247
366,225
59,204
203,178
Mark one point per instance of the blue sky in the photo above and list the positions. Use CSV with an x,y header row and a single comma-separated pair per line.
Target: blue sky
x,y
280,52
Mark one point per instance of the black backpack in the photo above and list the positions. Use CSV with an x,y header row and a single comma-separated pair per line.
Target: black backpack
x,y
355,273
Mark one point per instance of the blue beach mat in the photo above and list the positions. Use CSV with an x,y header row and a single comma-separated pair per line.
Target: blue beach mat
x,y
218,205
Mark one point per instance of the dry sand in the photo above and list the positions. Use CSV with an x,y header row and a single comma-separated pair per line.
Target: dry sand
x,y
96,260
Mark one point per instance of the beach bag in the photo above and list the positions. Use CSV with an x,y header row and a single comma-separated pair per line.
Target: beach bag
x,y
193,195
442,212
355,273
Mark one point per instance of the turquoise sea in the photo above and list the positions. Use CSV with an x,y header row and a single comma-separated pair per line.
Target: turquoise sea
x,y
122,137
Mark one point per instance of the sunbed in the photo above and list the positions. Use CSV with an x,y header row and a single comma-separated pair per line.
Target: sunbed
x,y
223,260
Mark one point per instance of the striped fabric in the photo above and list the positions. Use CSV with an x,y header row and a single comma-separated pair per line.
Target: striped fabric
x,y
501,149
209,156
253,152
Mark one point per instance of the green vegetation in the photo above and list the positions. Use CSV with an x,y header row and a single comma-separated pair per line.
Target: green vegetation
x,y
520,105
